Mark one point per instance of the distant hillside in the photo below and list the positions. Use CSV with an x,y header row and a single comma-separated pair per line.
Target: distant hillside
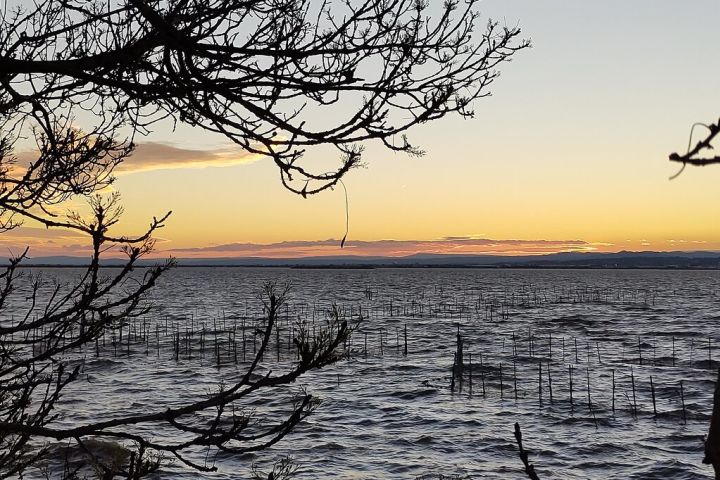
x,y
701,259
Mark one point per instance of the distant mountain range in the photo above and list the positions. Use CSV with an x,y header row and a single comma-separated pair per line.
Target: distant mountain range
x,y
700,259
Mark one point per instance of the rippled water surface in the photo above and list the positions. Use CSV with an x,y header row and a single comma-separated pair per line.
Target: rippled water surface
x,y
385,414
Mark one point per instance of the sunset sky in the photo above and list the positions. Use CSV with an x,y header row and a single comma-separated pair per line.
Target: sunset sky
x,y
570,153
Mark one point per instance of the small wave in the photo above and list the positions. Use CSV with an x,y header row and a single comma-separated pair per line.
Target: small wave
x,y
414,394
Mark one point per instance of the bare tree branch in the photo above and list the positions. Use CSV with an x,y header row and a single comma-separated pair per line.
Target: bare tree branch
x,y
263,73
692,157
529,467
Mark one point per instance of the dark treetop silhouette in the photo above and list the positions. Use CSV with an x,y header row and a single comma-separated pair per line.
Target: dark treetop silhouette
x,y
255,71
77,76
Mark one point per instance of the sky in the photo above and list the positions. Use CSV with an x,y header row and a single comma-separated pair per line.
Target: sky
x,y
568,154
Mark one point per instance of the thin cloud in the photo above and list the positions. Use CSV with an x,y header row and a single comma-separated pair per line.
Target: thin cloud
x,y
157,156
392,248
160,156
466,237
43,242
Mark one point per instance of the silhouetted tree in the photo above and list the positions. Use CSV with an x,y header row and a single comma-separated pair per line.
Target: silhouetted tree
x,y
267,74
82,78
219,420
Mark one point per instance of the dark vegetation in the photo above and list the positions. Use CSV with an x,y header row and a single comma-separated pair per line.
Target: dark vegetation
x,y
82,79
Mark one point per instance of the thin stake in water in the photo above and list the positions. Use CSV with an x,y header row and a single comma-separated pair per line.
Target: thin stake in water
x,y
452,376
673,350
577,360
540,383
470,370
482,375
613,391
632,380
515,389
549,382
501,383
405,351
682,399
652,391
589,401
570,375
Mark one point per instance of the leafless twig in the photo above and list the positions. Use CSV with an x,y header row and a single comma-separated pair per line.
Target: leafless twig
x,y
529,468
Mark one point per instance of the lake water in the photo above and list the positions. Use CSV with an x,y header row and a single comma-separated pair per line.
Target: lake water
x,y
385,414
